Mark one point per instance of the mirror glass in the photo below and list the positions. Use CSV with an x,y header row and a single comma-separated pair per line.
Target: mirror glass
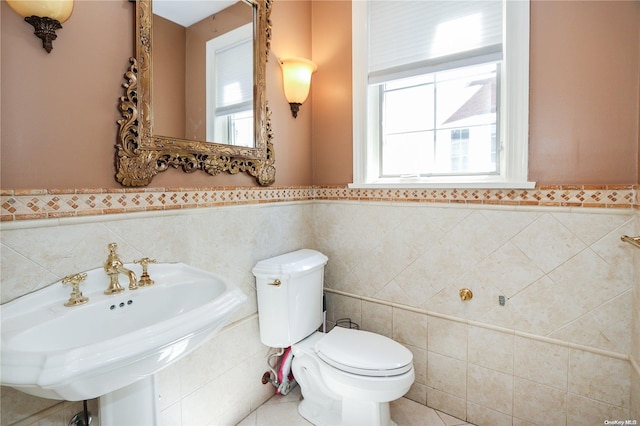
x,y
202,72
195,95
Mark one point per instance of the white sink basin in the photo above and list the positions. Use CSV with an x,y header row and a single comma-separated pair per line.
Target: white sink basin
x,y
82,352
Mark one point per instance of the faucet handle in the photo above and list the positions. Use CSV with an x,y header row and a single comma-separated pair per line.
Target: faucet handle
x,y
76,297
145,261
145,279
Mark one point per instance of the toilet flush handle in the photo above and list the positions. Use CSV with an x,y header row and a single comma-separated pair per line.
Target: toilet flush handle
x,y
276,283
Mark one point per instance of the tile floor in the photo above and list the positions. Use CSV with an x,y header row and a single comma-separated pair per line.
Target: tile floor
x,y
283,410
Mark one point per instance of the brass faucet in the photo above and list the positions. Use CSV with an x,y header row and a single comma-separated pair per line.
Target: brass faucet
x,y
114,267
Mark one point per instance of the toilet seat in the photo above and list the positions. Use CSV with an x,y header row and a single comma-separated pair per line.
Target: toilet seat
x,y
351,351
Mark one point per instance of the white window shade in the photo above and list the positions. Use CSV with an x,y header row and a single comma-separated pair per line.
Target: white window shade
x,y
234,79
408,38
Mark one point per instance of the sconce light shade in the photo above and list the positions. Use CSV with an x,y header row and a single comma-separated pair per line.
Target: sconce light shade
x,y
46,16
296,79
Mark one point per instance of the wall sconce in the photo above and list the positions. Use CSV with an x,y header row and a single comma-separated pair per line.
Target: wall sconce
x,y
46,16
296,79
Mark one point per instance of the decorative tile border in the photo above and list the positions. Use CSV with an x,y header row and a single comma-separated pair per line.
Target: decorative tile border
x,y
45,204
602,196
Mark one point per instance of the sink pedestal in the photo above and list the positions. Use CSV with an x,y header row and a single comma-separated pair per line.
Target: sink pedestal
x,y
136,404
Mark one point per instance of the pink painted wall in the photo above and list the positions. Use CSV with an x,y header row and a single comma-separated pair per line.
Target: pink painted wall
x,y
59,111
291,38
584,92
331,87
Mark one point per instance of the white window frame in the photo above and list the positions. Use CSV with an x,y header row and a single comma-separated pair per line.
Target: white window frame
x,y
514,131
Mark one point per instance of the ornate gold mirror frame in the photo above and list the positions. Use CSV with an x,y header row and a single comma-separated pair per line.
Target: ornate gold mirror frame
x,y
140,154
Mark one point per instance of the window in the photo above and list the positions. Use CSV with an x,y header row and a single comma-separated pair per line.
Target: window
x,y
439,124
439,98
230,87
460,150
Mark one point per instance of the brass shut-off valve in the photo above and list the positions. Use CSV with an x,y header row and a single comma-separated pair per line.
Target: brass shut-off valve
x,y
76,297
465,294
145,279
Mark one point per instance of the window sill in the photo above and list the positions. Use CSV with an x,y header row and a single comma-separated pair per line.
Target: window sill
x,y
424,183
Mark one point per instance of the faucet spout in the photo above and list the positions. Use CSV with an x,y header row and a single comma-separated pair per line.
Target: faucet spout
x,y
114,267
133,280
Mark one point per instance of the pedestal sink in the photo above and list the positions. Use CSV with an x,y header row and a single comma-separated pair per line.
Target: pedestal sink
x,y
110,346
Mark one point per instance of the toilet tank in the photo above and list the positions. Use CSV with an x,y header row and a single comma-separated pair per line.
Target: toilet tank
x,y
292,310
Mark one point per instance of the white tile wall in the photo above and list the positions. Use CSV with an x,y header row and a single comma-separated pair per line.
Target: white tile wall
x,y
493,377
600,377
491,349
448,338
538,404
559,279
557,347
635,394
560,342
635,331
220,382
446,374
542,362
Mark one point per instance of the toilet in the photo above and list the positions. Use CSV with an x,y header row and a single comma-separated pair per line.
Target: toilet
x,y
346,376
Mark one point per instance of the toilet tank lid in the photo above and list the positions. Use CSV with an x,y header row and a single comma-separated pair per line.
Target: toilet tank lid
x,y
290,263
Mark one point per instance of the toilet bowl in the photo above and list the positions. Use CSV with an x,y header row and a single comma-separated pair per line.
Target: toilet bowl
x,y
347,376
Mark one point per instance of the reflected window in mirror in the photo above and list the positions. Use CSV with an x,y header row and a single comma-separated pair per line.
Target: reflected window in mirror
x,y
230,87
186,88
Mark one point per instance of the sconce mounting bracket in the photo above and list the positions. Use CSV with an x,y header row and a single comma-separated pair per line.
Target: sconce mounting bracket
x,y
295,107
45,29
